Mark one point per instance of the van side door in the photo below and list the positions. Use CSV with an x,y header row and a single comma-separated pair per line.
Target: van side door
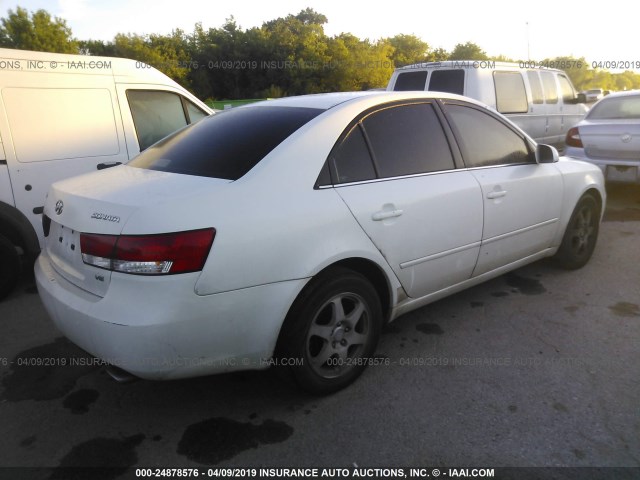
x,y
538,124
57,125
553,107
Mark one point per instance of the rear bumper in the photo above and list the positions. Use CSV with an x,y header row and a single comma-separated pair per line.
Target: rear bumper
x,y
613,169
158,328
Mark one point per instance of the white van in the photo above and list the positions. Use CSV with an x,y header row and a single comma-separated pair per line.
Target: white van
x,y
541,101
64,115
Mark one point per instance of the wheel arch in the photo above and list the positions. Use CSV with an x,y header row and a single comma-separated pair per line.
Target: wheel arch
x,y
293,340
595,193
372,272
365,267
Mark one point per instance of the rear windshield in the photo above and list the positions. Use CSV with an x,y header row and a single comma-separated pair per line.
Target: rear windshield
x,y
225,145
612,107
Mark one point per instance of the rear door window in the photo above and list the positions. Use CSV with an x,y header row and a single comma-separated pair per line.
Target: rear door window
x,y
549,87
625,107
536,87
450,81
511,97
407,139
351,160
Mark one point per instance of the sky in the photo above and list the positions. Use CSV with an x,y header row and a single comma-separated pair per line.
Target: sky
x,y
545,28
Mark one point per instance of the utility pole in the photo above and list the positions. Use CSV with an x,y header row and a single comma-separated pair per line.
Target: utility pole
x,y
528,52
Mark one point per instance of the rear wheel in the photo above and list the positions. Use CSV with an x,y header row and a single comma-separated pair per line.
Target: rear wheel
x,y
581,235
9,266
331,331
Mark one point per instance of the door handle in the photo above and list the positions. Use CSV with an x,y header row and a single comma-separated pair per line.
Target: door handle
x,y
102,166
384,214
496,194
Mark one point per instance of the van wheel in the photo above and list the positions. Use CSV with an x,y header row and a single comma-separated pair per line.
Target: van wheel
x,y
331,331
9,266
581,235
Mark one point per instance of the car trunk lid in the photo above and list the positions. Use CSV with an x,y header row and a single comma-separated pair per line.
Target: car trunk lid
x,y
102,203
611,139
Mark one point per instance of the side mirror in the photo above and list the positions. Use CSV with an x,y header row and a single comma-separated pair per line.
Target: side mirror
x,y
546,154
580,98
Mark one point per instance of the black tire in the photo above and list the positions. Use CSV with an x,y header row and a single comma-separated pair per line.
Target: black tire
x,y
10,266
331,331
580,237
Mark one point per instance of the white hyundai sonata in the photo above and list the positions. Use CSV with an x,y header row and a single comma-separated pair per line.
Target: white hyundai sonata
x,y
289,231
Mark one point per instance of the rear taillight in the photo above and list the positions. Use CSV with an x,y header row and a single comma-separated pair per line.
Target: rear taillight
x,y
98,250
573,138
161,254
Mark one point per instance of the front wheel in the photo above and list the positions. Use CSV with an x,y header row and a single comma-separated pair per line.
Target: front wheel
x,y
581,235
331,331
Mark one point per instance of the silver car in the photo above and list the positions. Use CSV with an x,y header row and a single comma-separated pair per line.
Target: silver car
x,y
609,137
593,95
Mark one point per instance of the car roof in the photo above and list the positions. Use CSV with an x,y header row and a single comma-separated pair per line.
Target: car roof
x,y
471,65
325,101
628,93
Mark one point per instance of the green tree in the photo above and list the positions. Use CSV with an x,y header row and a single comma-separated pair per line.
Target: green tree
x,y
576,68
36,31
298,45
468,51
224,57
167,53
407,50
438,55
309,16
502,58
626,81
358,64
97,48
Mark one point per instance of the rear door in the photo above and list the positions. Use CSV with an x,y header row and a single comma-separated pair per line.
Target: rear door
x,y
571,112
536,125
395,171
553,106
522,199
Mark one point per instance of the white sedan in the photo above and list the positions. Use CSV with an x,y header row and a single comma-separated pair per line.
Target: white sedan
x,y
289,231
